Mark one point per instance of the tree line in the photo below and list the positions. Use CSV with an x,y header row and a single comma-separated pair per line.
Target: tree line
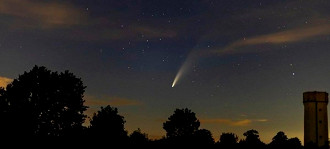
x,y
43,103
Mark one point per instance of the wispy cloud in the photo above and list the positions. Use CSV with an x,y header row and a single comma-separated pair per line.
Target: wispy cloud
x,y
108,100
244,122
63,15
289,36
261,120
5,81
41,14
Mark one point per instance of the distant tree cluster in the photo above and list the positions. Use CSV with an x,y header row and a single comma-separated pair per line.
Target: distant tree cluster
x,y
41,103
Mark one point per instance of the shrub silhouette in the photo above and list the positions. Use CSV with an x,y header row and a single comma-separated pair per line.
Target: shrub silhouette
x,y
138,138
294,143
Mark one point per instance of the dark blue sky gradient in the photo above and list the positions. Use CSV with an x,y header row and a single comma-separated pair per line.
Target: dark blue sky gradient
x,y
128,52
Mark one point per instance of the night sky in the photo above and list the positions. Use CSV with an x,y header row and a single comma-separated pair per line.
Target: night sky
x,y
239,64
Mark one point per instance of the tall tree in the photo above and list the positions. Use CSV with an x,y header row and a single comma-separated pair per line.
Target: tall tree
x,y
252,136
279,140
203,137
228,139
252,139
108,124
44,103
182,123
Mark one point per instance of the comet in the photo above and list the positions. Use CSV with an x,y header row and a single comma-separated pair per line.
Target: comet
x,y
186,66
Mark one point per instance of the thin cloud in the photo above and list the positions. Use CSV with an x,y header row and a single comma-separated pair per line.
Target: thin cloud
x,y
244,122
41,14
229,122
5,81
112,101
262,120
290,36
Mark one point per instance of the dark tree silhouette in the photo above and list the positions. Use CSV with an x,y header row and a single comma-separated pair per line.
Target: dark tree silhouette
x,y
279,140
228,140
43,103
138,138
294,143
182,123
252,139
4,109
203,137
252,136
181,127
108,124
3,102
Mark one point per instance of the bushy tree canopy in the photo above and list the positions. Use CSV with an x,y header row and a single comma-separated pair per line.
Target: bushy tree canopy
x,y
203,137
228,139
252,140
279,140
182,123
43,103
107,123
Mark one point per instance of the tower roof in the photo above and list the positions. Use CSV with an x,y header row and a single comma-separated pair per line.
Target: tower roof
x,y
315,96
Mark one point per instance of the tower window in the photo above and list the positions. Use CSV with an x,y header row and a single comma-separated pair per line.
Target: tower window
x,y
320,121
320,109
320,137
